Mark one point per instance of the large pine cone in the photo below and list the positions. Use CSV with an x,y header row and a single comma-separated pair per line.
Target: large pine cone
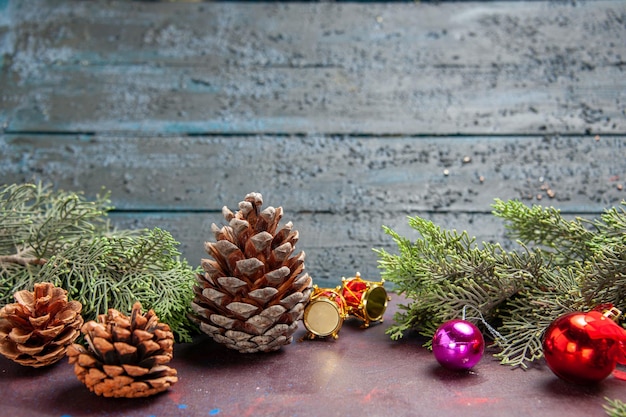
x,y
37,329
252,292
126,355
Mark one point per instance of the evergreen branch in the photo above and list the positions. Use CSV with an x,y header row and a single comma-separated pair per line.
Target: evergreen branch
x,y
22,260
61,237
545,227
526,316
563,265
604,280
528,345
615,408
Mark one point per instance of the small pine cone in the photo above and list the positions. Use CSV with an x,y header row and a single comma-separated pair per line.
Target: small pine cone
x,y
253,291
126,356
37,329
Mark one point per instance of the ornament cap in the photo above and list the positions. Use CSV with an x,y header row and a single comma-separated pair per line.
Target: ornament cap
x,y
613,313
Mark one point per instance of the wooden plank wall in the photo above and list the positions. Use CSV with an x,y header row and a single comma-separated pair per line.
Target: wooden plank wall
x,y
349,115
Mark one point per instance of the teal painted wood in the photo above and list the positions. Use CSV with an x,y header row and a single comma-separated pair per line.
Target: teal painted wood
x,y
350,116
339,191
326,174
336,245
401,68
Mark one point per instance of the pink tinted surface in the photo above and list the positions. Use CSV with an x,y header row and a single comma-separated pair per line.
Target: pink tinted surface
x,y
363,373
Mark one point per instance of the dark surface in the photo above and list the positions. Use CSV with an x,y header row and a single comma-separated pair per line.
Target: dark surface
x,y
363,373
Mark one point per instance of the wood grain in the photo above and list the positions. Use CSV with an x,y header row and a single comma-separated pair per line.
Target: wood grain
x,y
335,246
382,69
333,174
338,190
349,115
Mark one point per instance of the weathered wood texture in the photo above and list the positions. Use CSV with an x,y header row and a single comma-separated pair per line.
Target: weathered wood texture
x,y
405,68
339,191
350,116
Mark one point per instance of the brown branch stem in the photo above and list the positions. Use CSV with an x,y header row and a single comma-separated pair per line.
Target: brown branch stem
x,y
22,260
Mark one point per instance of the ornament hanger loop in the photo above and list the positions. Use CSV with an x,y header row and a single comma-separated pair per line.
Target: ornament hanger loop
x,y
490,329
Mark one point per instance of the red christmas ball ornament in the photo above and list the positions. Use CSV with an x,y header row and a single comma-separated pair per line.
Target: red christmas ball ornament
x,y
458,345
584,348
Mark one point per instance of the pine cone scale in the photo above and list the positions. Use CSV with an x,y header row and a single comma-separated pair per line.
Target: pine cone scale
x,y
125,350
242,310
258,324
274,312
102,345
148,347
223,321
85,360
29,350
142,335
263,295
232,285
25,299
277,277
135,371
19,335
66,315
66,337
39,321
53,354
249,269
52,332
113,370
303,283
291,300
94,376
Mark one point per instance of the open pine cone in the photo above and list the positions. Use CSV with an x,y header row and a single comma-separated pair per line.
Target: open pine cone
x,y
126,355
37,329
252,292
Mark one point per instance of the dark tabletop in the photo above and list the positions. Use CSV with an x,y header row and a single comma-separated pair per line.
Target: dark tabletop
x,y
363,373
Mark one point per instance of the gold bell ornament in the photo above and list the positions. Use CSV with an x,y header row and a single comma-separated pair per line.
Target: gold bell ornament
x,y
366,300
325,312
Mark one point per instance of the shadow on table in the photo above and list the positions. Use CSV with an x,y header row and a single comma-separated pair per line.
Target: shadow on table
x,y
205,352
561,388
76,400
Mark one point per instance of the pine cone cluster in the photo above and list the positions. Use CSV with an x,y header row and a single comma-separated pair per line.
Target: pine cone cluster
x,y
126,356
37,329
253,291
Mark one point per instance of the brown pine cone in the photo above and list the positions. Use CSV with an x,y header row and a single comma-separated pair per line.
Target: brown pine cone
x,y
37,329
126,356
253,292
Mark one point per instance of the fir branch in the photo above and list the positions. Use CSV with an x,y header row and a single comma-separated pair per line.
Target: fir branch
x,y
525,317
63,238
114,272
43,220
615,408
22,260
561,265
545,227
604,278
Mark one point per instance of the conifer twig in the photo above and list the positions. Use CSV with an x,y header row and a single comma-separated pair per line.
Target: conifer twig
x,y
615,408
561,265
22,260
63,238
